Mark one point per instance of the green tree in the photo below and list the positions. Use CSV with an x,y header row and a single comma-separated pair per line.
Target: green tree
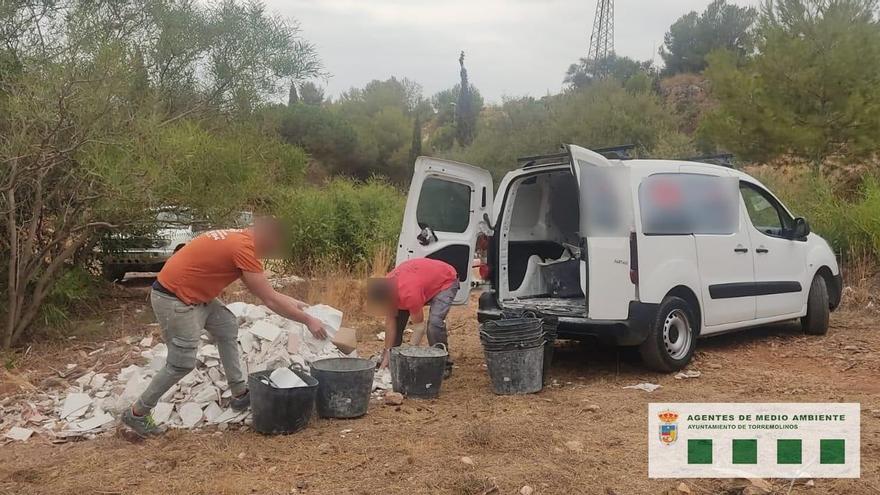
x,y
812,90
693,36
622,69
465,111
311,94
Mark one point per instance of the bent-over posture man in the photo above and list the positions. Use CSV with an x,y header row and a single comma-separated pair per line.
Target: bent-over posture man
x,y
403,294
184,299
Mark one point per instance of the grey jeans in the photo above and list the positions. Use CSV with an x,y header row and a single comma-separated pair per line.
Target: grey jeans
x,y
182,326
436,327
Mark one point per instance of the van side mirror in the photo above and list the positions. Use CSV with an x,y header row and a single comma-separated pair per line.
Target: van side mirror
x,y
801,229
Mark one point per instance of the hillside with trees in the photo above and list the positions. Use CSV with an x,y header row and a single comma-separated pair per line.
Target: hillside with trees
x,y
111,109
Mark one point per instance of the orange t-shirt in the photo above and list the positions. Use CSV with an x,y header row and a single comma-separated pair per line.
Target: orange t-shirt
x,y
208,264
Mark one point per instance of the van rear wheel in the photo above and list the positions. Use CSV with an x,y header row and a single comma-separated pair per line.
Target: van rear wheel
x,y
672,338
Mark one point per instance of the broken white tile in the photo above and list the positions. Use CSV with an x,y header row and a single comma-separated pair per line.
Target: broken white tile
x,y
647,387
265,331
18,433
84,380
285,378
212,412
190,414
206,393
162,412
75,405
95,421
125,373
329,316
98,381
247,340
208,351
227,415
146,341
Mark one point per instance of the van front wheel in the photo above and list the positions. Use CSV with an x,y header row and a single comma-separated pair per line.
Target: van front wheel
x,y
672,338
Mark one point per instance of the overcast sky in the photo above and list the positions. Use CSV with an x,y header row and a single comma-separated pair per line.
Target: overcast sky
x,y
513,47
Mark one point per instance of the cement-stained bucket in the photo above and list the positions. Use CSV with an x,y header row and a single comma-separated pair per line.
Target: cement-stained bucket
x,y
417,372
344,386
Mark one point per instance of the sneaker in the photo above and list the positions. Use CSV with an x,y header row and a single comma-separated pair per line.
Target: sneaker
x,y
448,371
144,425
241,402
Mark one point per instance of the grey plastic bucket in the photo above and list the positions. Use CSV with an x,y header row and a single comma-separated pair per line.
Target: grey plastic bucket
x,y
281,410
417,372
344,386
514,372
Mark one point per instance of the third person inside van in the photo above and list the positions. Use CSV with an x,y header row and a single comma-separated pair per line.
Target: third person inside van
x,y
402,295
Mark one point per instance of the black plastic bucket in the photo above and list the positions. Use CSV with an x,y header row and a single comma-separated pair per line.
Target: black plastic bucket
x,y
281,410
512,325
417,372
344,386
516,372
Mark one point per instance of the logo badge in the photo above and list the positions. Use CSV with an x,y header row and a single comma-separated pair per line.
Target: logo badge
x,y
668,427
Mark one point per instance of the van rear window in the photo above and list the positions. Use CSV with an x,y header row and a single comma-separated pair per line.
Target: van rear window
x,y
444,206
682,204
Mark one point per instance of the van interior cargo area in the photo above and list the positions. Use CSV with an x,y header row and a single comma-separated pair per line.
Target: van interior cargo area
x,y
542,254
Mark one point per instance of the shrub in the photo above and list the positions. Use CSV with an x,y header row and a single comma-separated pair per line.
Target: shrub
x,y
343,223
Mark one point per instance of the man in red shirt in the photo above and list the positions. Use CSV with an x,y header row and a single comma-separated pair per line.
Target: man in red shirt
x,y
184,300
403,294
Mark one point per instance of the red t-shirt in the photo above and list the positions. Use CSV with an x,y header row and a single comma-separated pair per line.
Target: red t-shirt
x,y
209,263
419,280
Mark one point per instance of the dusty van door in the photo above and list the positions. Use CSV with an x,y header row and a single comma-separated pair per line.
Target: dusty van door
x,y
606,220
444,214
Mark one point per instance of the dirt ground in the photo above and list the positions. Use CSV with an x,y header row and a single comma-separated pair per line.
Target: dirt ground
x,y
417,448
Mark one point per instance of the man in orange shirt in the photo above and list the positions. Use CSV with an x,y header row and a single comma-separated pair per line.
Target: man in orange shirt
x,y
403,294
184,299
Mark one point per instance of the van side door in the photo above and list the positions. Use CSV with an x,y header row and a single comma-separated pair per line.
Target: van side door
x,y
444,214
781,283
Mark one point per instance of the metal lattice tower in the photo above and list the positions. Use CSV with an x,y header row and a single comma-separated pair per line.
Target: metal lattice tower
x,y
602,39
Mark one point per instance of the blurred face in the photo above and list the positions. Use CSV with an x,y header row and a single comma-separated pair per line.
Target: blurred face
x,y
381,297
268,237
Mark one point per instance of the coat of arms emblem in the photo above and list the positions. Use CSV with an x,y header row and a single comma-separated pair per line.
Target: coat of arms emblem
x,y
668,427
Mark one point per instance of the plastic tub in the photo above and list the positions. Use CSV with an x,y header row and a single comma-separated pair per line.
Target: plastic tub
x,y
344,386
417,372
281,410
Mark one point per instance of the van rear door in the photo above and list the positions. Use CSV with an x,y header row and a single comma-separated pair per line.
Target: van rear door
x,y
606,220
446,209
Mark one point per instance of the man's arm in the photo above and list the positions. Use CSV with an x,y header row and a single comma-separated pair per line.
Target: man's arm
x,y
285,306
390,337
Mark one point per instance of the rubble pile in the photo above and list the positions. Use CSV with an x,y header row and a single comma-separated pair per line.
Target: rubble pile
x,y
92,402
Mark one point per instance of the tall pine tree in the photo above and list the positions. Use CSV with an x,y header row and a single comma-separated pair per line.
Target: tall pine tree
x,y
466,114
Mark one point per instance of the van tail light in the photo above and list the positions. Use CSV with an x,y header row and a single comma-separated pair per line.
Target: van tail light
x,y
633,258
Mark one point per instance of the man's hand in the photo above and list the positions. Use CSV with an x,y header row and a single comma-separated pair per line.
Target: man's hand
x,y
317,328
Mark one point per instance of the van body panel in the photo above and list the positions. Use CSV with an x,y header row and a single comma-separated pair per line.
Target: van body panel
x,y
455,196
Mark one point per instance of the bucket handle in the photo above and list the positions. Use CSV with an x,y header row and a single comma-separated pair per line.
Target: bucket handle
x,y
441,346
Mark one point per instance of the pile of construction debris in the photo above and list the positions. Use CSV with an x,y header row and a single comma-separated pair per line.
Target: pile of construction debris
x,y
94,401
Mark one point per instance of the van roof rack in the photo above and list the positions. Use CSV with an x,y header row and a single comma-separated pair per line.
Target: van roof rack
x,y
621,152
723,159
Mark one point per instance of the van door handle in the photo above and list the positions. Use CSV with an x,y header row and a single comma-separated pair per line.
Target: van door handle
x,y
762,250
740,249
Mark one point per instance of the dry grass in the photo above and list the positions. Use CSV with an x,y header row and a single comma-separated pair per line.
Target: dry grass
x,y
860,281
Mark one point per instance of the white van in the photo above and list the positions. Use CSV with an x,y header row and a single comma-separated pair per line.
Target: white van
x,y
648,253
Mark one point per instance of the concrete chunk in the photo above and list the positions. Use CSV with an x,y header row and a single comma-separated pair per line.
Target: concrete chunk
x,y
265,331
